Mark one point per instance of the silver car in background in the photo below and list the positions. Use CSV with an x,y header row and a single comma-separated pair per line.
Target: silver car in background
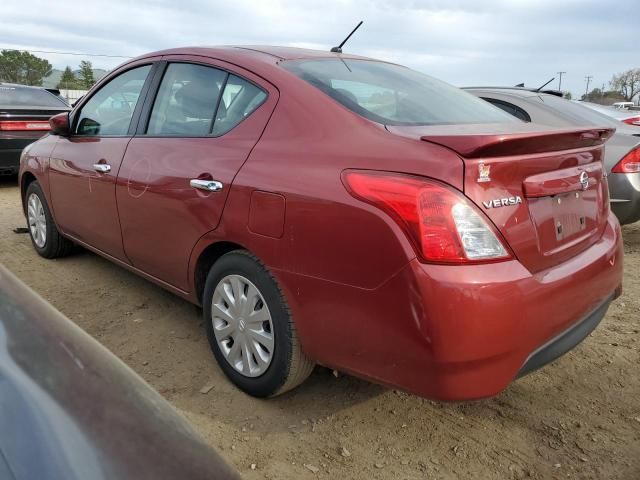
x,y
628,116
622,151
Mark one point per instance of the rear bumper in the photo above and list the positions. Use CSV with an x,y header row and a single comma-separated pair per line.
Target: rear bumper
x,y
567,340
456,332
624,191
10,151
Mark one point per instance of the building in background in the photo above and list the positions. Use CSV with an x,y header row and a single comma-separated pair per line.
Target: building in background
x,y
72,96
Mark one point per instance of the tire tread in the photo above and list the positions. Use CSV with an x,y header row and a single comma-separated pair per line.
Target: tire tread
x,y
292,366
300,366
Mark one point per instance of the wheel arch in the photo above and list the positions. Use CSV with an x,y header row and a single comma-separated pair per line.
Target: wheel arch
x,y
205,261
27,179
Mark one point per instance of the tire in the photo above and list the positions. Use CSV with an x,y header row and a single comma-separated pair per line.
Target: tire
x,y
48,244
288,366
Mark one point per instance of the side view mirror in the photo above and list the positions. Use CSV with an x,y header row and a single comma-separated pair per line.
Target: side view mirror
x,y
60,124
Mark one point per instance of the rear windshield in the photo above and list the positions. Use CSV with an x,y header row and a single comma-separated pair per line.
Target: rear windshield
x,y
12,96
578,114
394,95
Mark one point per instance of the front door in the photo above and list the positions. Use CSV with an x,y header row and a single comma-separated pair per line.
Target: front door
x,y
178,169
84,166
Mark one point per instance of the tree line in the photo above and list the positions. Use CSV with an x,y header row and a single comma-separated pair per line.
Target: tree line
x,y
24,68
83,81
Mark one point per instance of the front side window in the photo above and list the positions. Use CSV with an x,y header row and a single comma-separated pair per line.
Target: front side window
x,y
110,110
394,95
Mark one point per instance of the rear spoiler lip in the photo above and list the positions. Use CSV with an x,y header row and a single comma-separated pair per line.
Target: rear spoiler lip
x,y
508,144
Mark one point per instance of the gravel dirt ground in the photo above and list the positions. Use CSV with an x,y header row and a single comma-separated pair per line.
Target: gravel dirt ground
x,y
577,418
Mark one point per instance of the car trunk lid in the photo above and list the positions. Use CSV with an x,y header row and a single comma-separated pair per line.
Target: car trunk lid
x,y
544,190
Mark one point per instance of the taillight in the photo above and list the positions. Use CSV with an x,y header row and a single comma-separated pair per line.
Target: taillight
x,y
441,223
633,121
33,125
630,163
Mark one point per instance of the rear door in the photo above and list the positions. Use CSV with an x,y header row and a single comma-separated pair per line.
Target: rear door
x,y
84,166
192,139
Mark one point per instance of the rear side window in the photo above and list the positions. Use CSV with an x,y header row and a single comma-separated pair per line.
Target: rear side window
x,y
239,100
110,110
510,108
394,95
13,96
187,100
196,100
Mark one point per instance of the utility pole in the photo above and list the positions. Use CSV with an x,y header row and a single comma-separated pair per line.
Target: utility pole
x,y
560,82
588,79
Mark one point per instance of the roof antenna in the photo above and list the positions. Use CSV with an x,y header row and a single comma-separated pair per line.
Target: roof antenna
x,y
338,49
542,86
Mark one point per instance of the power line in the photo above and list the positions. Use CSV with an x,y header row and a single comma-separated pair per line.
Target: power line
x,y
560,82
588,79
68,53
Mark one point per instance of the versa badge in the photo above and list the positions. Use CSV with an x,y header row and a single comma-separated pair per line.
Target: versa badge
x,y
502,202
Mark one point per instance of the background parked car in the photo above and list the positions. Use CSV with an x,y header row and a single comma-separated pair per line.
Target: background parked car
x,y
24,115
622,155
69,409
630,117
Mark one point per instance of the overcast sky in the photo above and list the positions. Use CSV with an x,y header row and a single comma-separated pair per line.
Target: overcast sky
x,y
492,42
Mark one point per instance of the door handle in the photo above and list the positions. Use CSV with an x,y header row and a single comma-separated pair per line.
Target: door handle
x,y
206,185
102,167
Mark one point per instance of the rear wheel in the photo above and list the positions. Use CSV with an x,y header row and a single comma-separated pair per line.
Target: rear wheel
x,y
44,235
250,329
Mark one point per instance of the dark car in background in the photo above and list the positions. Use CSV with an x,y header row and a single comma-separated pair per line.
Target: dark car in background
x,y
622,153
24,115
69,409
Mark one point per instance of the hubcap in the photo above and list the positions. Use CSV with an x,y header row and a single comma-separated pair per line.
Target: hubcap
x,y
37,220
242,325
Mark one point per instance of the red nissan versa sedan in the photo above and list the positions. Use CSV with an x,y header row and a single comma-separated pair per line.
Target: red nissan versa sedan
x,y
335,209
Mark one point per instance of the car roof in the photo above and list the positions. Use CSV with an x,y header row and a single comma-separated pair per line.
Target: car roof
x,y
261,60
258,52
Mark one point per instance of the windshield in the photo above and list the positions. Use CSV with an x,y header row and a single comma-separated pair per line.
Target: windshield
x,y
394,95
14,96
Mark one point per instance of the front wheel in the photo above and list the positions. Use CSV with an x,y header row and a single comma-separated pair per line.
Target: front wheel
x,y
44,235
250,329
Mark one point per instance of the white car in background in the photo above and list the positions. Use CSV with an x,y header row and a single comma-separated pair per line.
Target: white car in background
x,y
630,117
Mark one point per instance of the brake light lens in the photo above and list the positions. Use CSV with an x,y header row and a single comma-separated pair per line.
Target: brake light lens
x,y
630,163
33,125
441,223
633,121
